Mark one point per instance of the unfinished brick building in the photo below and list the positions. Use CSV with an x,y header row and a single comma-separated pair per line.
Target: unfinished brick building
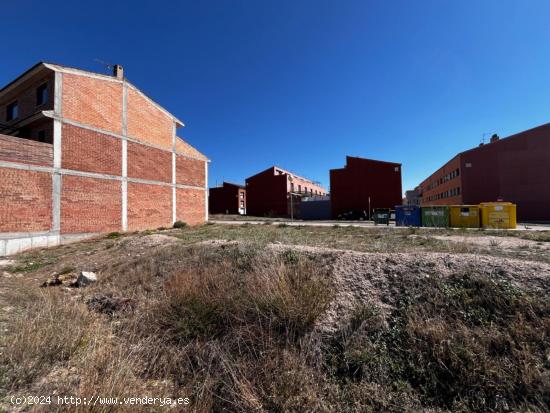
x,y
227,199
83,153
270,192
365,183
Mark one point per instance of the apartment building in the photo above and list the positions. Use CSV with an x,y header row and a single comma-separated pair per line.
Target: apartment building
x,y
514,169
83,153
228,198
277,192
364,184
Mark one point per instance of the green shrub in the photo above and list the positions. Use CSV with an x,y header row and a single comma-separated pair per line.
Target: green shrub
x,y
180,224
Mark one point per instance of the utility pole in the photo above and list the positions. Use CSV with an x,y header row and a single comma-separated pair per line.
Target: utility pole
x,y
291,199
369,208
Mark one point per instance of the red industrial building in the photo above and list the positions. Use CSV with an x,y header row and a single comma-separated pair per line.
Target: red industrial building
x,y
270,192
514,169
227,199
365,183
84,153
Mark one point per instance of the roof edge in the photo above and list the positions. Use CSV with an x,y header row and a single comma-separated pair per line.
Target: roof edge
x,y
29,72
81,72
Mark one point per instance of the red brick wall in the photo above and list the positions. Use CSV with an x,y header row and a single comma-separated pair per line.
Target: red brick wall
x,y
20,150
90,205
85,150
25,200
149,163
148,123
93,102
190,206
189,171
149,206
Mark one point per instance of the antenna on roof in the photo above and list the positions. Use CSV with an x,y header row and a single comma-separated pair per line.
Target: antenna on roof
x,y
108,66
482,141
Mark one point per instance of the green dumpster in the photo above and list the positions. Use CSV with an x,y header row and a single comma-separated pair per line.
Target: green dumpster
x,y
381,216
435,216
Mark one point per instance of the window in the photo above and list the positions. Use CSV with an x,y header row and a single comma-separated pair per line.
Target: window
x,y
299,188
292,187
12,111
242,195
41,94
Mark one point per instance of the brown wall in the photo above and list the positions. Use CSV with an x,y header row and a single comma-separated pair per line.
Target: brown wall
x,y
361,179
149,163
514,169
226,199
89,151
25,200
189,171
190,206
90,205
434,189
149,206
19,150
147,123
93,102
26,98
268,192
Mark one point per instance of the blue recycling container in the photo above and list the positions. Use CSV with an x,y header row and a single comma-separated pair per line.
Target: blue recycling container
x,y
408,216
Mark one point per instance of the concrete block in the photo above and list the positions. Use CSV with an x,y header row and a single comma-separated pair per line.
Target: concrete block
x,y
39,241
13,246
53,240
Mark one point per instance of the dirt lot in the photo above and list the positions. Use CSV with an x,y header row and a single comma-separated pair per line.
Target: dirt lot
x,y
282,318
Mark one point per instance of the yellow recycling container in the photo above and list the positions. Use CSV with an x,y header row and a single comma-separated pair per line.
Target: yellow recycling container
x,y
464,216
500,215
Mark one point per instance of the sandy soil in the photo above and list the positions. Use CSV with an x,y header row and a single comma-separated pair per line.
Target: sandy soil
x,y
496,242
365,277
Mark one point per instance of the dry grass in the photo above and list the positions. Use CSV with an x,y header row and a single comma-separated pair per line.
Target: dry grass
x,y
235,328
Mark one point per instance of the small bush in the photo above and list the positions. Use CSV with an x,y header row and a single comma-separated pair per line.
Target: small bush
x,y
180,224
291,256
113,235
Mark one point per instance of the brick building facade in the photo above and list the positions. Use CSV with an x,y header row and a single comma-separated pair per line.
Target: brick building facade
x,y
270,192
227,199
363,183
84,153
514,169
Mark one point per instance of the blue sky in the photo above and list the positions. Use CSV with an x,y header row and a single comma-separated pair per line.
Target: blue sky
x,y
302,84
